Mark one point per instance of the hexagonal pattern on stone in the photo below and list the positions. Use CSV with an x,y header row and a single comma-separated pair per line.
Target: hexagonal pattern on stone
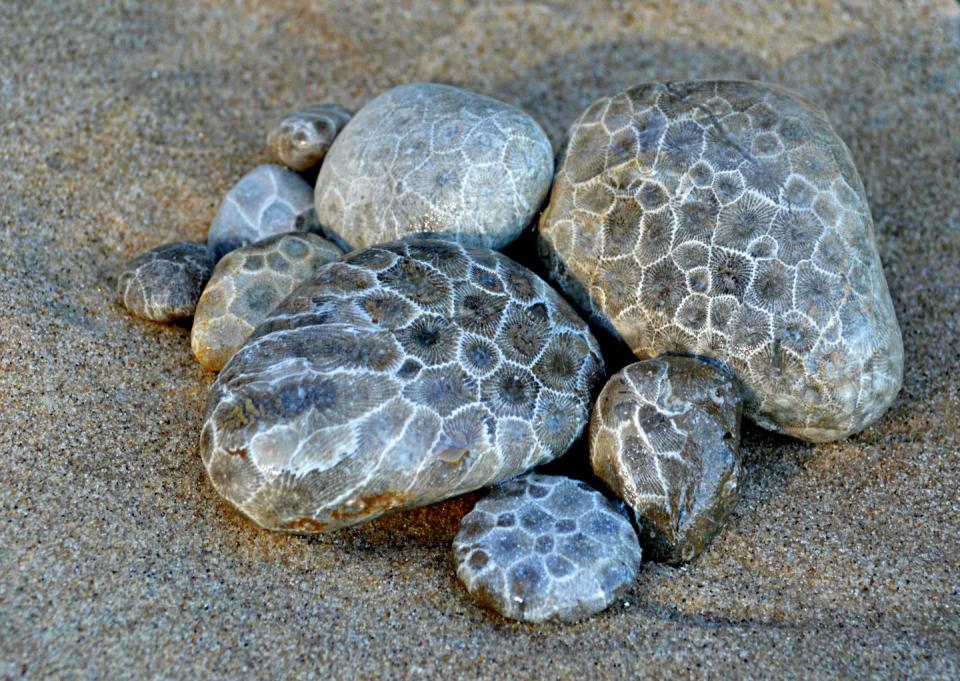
x,y
665,437
726,219
266,201
165,283
543,547
245,287
302,138
434,160
400,375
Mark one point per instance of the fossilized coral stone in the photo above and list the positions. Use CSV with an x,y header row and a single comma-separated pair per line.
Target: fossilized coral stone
x,y
400,375
302,138
726,219
245,287
664,437
543,547
266,201
164,283
428,159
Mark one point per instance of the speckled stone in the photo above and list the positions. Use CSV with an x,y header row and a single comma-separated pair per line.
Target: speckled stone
x,y
543,547
245,287
266,201
434,160
665,437
301,139
164,283
401,375
727,219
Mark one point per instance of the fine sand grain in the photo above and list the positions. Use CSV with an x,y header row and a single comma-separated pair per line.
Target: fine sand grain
x,y
122,125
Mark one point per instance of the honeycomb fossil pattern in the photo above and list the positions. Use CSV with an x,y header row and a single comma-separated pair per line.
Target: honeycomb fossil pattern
x,y
246,285
400,375
302,138
266,201
434,160
726,219
664,436
164,283
543,547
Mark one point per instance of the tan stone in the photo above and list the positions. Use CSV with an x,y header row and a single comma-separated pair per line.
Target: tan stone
x,y
245,287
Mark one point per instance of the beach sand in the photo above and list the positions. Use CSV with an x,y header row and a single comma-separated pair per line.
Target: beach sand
x,y
121,127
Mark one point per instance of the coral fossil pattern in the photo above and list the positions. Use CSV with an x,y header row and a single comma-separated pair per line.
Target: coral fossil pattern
x,y
401,375
266,201
726,219
245,287
664,437
164,283
434,160
302,138
543,547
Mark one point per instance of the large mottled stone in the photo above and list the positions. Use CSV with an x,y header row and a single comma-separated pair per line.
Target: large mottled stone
x,y
302,138
401,375
245,287
727,219
543,547
665,437
266,201
428,159
164,283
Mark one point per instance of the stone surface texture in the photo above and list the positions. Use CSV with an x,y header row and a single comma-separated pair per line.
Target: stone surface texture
x,y
546,547
245,287
665,438
118,559
727,219
401,375
429,159
164,283
302,138
267,200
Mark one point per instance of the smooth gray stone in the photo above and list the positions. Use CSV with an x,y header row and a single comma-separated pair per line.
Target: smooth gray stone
x,y
266,201
401,375
665,438
434,160
726,219
544,547
165,283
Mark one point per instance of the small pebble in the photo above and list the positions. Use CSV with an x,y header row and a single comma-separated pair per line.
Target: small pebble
x,y
665,437
301,139
165,283
266,201
544,547
245,287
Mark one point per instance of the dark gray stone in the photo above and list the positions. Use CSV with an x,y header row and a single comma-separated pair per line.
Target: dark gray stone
x,y
165,283
665,437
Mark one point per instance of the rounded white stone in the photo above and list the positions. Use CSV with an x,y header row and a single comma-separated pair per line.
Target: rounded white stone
x,y
434,160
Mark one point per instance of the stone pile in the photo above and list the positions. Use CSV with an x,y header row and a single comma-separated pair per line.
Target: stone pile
x,y
718,229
